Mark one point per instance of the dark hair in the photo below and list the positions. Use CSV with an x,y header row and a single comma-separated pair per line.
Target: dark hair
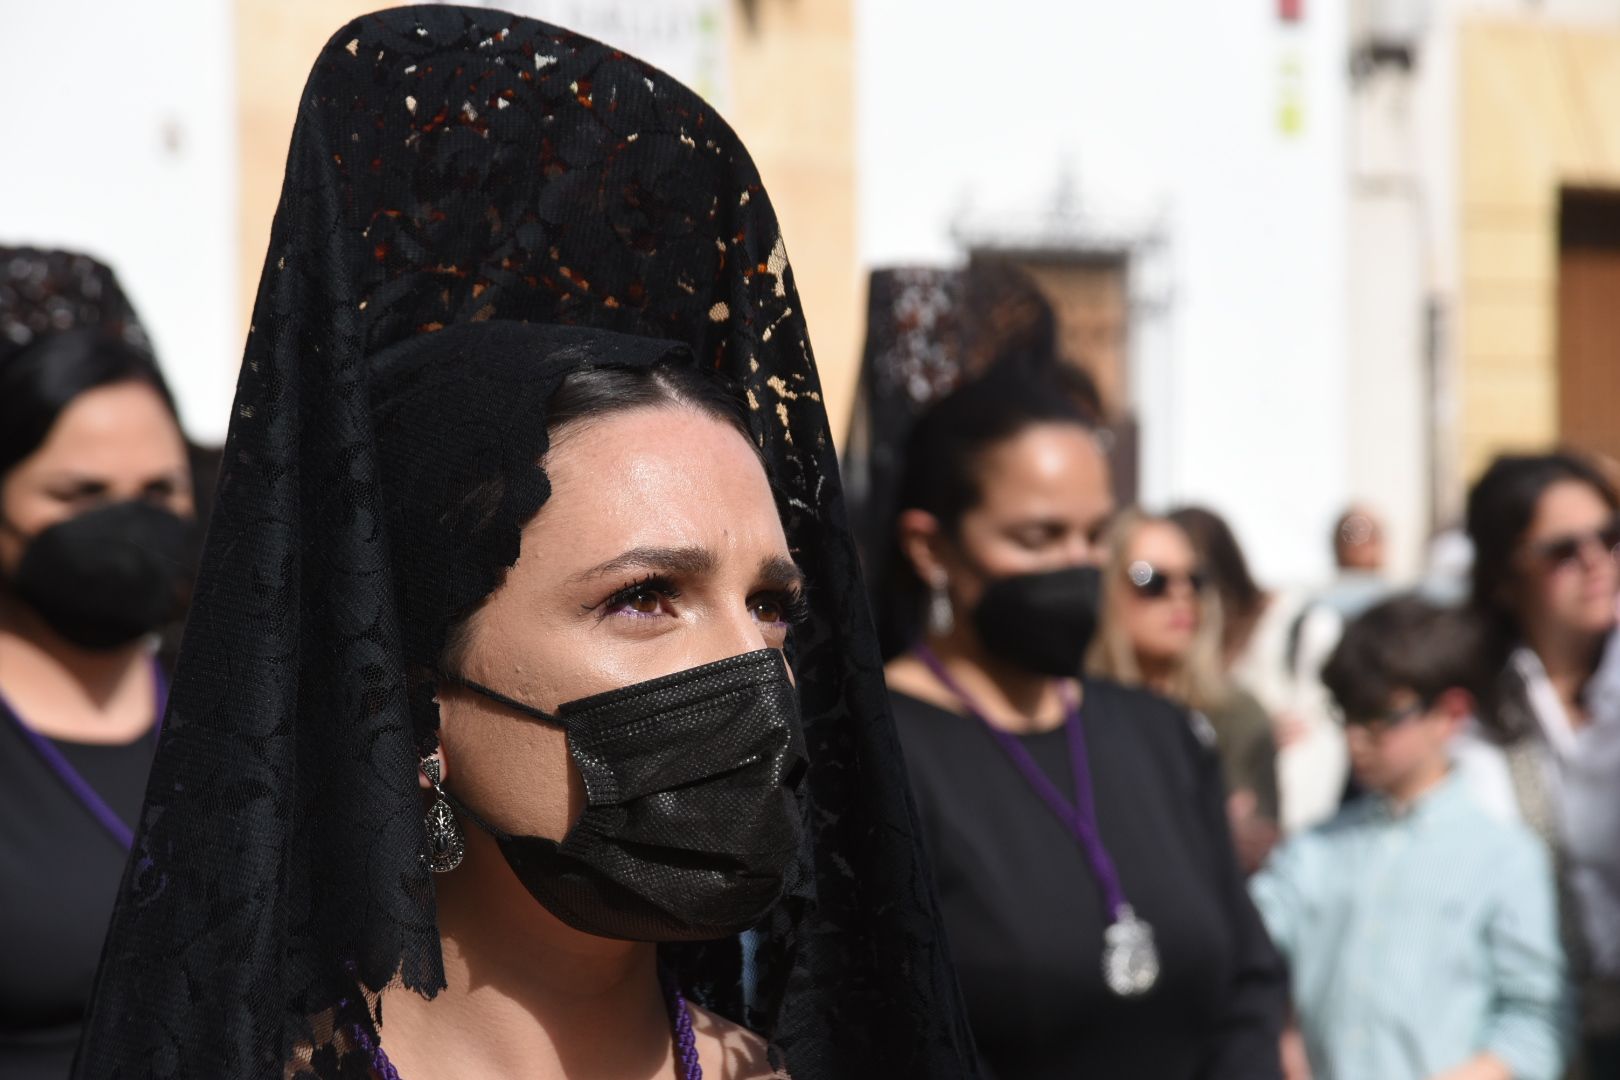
x,y
1242,600
941,473
41,380
1500,508
1405,643
594,393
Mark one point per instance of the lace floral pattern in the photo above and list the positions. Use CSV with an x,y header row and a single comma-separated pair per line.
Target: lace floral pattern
x,y
46,292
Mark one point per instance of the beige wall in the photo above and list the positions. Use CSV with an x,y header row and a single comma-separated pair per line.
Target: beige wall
x,y
792,101
1539,110
276,44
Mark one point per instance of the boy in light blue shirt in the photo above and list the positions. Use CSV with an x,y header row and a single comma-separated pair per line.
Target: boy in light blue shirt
x,y
1421,933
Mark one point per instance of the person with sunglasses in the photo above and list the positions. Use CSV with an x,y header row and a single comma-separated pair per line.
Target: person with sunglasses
x,y
1161,629
1093,905
1546,748
1420,928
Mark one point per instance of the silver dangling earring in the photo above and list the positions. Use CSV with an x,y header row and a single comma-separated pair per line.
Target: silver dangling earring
x,y
446,845
941,617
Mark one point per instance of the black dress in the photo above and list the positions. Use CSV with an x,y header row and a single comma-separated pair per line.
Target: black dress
x,y
1025,918
59,875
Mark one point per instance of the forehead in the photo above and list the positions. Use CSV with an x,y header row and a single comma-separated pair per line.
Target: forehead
x,y
1567,506
659,476
1047,470
111,430
1162,543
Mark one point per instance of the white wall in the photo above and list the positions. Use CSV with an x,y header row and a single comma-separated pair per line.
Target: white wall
x,y
120,141
1164,107
1391,278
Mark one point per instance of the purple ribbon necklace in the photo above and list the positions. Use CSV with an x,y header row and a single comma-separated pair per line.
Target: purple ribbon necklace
x,y
71,778
680,1022
1130,960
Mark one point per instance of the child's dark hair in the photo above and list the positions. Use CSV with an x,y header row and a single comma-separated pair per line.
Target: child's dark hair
x,y
1406,643
942,469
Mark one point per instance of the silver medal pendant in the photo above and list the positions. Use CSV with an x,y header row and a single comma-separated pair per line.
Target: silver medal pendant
x,y
1130,961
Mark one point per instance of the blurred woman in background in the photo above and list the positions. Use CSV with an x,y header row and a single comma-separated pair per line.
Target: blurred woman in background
x,y
96,511
1094,906
1546,534
1257,649
1161,629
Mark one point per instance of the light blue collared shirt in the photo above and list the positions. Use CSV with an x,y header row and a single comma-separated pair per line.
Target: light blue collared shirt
x,y
1419,939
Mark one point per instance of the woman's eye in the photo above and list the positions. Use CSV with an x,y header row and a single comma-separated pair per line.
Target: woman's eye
x,y
643,599
645,602
780,609
642,602
83,494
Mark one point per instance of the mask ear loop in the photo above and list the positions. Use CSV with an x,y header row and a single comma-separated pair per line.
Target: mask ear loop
x,y
501,699
472,815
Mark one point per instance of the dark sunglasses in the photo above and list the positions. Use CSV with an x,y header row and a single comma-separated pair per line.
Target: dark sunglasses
x,y
1562,551
1378,723
1152,583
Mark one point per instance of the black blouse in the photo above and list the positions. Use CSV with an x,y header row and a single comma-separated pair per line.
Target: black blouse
x,y
59,875
1025,918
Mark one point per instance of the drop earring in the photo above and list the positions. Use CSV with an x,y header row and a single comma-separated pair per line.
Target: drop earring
x,y
941,617
446,844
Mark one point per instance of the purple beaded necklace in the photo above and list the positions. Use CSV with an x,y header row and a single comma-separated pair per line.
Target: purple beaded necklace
x,y
680,1021
71,777
1130,960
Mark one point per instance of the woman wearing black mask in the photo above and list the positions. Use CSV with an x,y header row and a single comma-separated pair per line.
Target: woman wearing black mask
x,y
95,511
490,753
1093,903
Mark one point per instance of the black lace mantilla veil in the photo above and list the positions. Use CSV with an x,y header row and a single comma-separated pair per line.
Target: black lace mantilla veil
x,y
45,291
467,169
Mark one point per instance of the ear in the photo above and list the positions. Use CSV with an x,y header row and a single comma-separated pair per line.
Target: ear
x,y
1455,706
444,769
919,534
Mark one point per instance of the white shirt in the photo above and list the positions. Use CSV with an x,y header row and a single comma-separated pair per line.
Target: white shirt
x,y
1582,770
1311,771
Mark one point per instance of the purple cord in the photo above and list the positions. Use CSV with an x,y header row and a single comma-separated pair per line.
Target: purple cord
x,y
379,1061
680,1020
70,777
1081,815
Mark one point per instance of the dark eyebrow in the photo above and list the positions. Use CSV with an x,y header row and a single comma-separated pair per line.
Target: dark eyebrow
x,y
687,561
781,572
72,476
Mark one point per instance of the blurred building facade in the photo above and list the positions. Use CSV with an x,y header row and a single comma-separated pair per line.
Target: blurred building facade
x,y
157,140
1360,245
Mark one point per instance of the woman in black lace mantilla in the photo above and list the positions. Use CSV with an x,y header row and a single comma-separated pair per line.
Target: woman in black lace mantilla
x,y
527,475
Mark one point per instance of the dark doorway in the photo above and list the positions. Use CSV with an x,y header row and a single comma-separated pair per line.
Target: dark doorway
x,y
1589,320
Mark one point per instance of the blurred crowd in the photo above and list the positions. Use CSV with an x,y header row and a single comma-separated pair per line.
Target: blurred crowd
x,y
1421,778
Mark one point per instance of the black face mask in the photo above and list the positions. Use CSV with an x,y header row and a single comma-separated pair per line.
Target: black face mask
x,y
108,576
1041,622
690,822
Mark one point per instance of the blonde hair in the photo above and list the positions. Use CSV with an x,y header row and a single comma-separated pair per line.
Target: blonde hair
x,y
1199,680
